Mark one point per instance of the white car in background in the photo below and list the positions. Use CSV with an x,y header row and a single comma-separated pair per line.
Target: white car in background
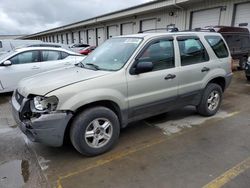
x,y
26,62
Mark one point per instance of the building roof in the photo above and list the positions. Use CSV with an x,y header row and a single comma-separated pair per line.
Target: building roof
x,y
135,10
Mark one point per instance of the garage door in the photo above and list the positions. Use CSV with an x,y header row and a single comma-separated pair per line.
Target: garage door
x,y
204,18
76,37
100,36
91,37
127,28
242,15
148,24
83,37
112,31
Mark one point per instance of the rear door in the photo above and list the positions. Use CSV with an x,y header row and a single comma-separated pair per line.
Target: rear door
x,y
24,64
52,59
195,65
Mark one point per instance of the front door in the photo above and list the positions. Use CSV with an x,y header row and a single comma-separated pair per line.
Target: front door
x,y
155,91
24,64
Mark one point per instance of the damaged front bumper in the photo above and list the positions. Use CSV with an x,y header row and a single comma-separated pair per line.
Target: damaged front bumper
x,y
46,128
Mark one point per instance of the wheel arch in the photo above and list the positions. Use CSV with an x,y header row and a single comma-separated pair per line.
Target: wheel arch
x,y
122,115
221,81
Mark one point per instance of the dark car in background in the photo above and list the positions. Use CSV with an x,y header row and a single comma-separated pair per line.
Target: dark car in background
x,y
238,40
247,69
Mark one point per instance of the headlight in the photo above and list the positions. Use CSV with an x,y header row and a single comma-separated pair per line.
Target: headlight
x,y
45,103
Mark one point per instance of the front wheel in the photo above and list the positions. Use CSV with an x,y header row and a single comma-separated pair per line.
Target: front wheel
x,y
211,100
95,131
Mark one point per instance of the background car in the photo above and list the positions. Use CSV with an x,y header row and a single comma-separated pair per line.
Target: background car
x,y
78,47
238,40
26,62
86,51
247,69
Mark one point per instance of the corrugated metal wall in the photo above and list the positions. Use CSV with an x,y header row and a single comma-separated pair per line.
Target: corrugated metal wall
x,y
180,16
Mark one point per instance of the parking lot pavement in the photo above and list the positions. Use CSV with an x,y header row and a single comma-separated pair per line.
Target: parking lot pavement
x,y
176,149
18,164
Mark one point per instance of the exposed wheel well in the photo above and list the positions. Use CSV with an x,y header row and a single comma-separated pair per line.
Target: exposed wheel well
x,y
109,104
220,81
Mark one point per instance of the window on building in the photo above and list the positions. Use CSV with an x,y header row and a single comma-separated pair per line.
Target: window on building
x,y
218,46
160,53
192,51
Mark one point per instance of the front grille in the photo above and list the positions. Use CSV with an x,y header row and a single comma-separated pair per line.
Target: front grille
x,y
19,97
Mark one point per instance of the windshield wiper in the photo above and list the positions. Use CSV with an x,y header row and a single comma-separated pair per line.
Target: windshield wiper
x,y
79,65
93,65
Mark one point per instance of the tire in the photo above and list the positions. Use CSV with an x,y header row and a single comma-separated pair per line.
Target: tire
x,y
98,138
243,62
248,78
209,109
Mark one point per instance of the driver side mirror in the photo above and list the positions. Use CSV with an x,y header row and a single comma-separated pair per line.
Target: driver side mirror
x,y
7,63
143,67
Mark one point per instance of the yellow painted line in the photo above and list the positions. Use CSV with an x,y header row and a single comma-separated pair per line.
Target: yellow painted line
x,y
229,175
116,156
233,114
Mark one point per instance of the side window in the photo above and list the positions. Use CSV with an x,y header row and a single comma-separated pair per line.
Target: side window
x,y
192,51
50,55
64,55
25,57
160,53
218,46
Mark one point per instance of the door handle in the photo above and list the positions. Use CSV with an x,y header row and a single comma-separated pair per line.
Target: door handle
x,y
35,67
170,76
205,69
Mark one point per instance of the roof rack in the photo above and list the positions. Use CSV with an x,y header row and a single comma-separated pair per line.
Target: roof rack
x,y
169,28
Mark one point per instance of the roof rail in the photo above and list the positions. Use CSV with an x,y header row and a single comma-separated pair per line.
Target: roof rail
x,y
208,29
167,29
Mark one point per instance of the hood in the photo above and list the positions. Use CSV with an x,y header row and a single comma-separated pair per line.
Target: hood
x,y
43,83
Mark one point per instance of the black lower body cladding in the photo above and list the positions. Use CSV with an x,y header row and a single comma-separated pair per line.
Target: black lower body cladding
x,y
47,128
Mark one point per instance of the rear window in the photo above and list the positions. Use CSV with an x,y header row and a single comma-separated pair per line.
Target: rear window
x,y
218,46
51,55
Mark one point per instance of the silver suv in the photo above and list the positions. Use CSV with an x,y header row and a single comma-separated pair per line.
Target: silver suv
x,y
128,78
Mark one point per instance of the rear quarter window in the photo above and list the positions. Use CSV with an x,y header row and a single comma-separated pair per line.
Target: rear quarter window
x,y
64,55
218,46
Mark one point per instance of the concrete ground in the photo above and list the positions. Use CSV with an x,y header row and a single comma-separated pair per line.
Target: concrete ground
x,y
177,149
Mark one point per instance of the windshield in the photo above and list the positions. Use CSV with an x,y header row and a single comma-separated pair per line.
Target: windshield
x,y
113,54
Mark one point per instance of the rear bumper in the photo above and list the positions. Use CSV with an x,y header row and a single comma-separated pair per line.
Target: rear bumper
x,y
48,129
228,79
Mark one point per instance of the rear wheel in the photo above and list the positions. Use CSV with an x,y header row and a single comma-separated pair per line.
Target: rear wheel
x,y
211,100
248,78
95,131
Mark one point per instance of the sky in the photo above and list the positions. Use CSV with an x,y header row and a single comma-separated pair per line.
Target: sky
x,y
31,16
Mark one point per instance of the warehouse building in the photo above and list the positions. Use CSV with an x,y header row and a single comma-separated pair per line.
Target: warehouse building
x,y
184,14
